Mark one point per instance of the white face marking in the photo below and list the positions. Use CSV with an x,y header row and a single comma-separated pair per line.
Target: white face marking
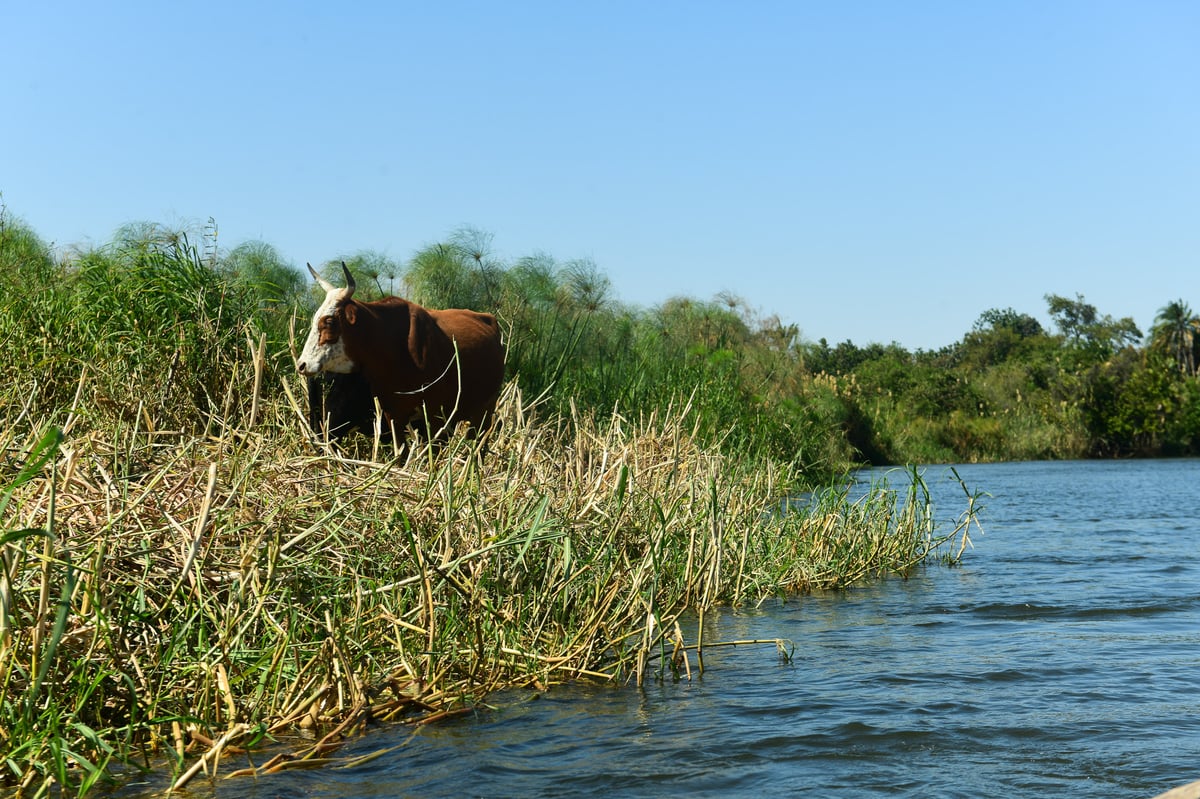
x,y
330,356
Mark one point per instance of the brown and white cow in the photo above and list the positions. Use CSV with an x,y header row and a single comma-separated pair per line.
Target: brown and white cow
x,y
423,365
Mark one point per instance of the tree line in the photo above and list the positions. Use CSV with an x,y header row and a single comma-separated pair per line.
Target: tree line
x,y
1092,386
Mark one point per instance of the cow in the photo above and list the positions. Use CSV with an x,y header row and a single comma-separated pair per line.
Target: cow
x,y
427,368
339,405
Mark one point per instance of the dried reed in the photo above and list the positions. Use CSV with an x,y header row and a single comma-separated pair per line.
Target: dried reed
x,y
180,595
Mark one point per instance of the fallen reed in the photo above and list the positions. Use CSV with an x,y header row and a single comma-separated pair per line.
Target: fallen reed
x,y
172,595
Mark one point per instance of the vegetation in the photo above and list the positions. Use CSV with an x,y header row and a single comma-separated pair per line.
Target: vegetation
x,y
572,345
1010,390
185,570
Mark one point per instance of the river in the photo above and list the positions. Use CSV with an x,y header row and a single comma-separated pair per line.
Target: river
x,y
1059,659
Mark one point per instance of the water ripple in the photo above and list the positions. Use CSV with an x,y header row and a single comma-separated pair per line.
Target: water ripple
x,y
1059,660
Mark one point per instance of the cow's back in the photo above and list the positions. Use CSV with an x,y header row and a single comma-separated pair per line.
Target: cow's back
x,y
449,361
476,337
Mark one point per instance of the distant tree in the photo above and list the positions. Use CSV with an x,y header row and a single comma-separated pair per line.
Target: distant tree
x,y
1085,329
1131,405
1024,325
843,358
999,336
1176,332
1072,317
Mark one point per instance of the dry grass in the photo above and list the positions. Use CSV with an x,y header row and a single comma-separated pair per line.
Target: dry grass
x,y
180,594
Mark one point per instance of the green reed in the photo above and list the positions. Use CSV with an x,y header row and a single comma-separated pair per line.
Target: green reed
x,y
185,572
246,584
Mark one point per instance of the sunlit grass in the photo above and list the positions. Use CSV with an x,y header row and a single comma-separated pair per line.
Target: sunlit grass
x,y
186,568
249,580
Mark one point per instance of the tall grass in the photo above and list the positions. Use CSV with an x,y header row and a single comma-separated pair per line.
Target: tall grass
x,y
247,581
185,570
567,337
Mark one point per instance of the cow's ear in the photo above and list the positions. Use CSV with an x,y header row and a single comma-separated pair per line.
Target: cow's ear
x,y
350,313
418,337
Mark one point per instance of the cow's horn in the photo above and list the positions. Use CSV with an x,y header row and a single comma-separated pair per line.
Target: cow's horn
x,y
322,282
349,280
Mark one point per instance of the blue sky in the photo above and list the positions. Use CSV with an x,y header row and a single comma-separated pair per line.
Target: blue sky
x,y
874,171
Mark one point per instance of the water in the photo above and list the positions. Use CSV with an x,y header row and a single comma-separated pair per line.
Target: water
x,y
1059,660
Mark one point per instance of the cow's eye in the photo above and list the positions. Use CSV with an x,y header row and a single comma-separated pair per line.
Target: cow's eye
x,y
328,329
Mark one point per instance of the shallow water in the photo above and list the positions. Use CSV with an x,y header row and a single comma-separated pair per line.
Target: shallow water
x,y
1059,660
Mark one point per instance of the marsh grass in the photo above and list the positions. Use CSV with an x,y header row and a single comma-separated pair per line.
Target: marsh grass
x,y
237,586
186,572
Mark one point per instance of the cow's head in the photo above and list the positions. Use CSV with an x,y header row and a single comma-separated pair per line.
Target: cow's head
x,y
325,349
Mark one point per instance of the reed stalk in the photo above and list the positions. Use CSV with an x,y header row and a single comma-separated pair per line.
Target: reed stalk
x,y
172,595
186,571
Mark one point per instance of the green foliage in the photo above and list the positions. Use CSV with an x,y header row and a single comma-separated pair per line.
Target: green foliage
x,y
258,269
1085,330
1176,332
1181,434
572,345
1002,335
1010,390
375,274
553,313
139,324
459,273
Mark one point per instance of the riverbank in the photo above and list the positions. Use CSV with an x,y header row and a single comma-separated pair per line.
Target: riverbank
x,y
1055,660
174,595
